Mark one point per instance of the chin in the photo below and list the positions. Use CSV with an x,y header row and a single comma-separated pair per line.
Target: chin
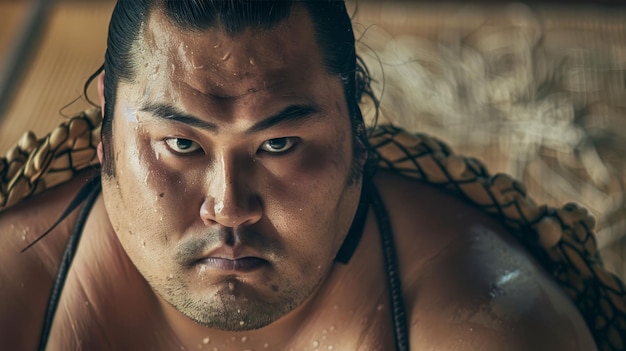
x,y
238,309
235,305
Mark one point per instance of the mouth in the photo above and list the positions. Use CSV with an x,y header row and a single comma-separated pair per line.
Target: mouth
x,y
243,264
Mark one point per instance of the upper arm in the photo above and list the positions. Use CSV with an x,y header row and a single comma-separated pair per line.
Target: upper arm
x,y
484,292
23,278
26,278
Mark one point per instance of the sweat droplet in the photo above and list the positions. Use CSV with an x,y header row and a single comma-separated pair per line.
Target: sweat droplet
x,y
244,338
380,307
316,344
242,322
266,345
206,340
231,287
330,347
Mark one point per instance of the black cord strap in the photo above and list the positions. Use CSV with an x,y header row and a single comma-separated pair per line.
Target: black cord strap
x,y
80,197
89,197
355,233
393,274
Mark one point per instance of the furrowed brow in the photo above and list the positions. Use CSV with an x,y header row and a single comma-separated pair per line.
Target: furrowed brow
x,y
171,113
291,114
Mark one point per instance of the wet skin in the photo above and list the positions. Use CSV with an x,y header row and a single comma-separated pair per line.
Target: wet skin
x,y
232,191
226,220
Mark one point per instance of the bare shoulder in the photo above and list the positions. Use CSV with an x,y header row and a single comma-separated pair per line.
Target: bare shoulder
x,y
26,278
468,283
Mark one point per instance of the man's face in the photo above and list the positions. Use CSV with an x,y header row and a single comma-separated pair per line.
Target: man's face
x,y
232,189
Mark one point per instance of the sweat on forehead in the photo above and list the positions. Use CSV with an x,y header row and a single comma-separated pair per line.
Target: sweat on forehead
x,y
212,60
127,55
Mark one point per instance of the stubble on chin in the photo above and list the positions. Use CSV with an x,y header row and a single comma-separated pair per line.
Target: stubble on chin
x,y
235,306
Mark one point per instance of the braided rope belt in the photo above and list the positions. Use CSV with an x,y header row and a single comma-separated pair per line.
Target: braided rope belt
x,y
562,239
34,165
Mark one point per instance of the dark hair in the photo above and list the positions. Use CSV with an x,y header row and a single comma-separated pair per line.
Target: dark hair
x,y
332,25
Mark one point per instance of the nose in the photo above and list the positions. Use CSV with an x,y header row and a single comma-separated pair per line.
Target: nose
x,y
230,200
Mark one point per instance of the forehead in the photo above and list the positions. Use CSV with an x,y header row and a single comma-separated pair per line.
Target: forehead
x,y
217,63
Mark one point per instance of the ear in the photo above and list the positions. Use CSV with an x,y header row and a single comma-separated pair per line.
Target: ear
x,y
99,152
102,102
101,92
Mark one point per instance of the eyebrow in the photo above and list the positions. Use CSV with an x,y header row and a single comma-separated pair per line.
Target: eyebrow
x,y
291,114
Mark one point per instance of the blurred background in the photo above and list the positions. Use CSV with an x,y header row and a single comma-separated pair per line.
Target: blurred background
x,y
533,89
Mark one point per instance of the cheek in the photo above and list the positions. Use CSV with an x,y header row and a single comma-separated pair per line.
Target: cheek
x,y
142,198
306,200
305,182
323,169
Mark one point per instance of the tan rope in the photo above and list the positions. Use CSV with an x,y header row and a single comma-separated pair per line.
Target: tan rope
x,y
34,165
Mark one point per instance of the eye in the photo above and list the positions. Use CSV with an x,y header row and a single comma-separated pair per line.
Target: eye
x,y
182,146
278,145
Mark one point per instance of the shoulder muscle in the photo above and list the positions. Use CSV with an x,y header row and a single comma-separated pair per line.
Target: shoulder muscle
x,y
470,285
